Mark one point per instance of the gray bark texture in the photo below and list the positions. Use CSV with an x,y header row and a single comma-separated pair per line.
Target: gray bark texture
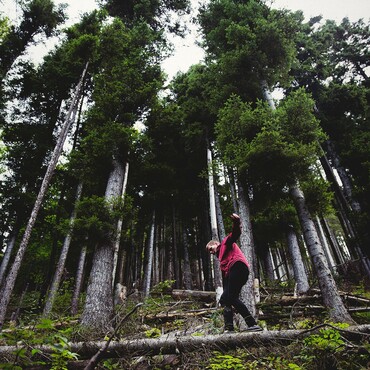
x,y
213,216
13,273
7,254
329,290
187,270
149,266
247,247
297,262
344,177
119,226
168,344
62,259
98,310
79,278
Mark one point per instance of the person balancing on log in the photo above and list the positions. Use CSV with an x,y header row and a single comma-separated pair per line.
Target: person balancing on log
x,y
235,272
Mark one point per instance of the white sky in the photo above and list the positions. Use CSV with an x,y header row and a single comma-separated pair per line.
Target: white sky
x,y
186,52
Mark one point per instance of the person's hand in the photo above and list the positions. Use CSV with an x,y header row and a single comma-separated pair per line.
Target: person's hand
x,y
235,217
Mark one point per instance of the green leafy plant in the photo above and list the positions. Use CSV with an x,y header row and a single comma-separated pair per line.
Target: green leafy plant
x,y
153,333
320,349
163,286
220,362
62,354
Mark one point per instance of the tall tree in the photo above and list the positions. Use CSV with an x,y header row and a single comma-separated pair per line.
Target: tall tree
x,y
10,282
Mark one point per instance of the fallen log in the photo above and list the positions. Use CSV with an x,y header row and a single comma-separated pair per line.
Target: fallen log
x,y
204,296
168,344
171,315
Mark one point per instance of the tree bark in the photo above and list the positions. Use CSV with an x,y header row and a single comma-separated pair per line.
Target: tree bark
x,y
98,309
187,270
247,247
331,297
62,259
214,230
119,226
149,266
9,248
168,344
297,262
13,273
79,278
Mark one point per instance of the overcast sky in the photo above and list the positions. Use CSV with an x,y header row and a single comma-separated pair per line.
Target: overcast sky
x,y
186,51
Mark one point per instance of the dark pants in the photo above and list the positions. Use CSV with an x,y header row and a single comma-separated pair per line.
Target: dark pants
x,y
232,284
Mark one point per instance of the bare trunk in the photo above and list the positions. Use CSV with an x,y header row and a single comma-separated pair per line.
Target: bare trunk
x,y
13,273
119,226
326,248
297,262
214,231
98,310
344,177
331,297
175,344
343,209
7,254
15,314
187,270
62,259
149,266
269,266
233,190
246,245
79,279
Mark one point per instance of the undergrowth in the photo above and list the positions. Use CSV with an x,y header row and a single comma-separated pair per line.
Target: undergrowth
x,y
324,346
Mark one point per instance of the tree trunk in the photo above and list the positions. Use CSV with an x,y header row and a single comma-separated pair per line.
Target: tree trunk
x,y
98,308
187,269
343,209
269,265
119,226
331,297
341,257
168,344
62,259
149,266
13,273
8,251
326,248
79,279
297,262
231,178
346,182
246,245
214,231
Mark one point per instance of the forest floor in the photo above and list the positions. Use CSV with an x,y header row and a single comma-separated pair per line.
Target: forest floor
x,y
177,329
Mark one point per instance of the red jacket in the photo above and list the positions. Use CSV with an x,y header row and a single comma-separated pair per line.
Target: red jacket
x,y
228,253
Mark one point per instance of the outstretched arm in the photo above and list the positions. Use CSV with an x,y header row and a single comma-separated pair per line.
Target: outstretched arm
x,y
236,230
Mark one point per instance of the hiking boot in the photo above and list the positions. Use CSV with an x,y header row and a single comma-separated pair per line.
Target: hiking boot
x,y
229,331
254,328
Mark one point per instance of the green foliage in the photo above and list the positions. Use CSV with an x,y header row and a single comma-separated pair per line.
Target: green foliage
x,y
163,286
321,349
153,333
111,364
43,332
220,361
62,354
276,363
274,148
250,41
95,218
